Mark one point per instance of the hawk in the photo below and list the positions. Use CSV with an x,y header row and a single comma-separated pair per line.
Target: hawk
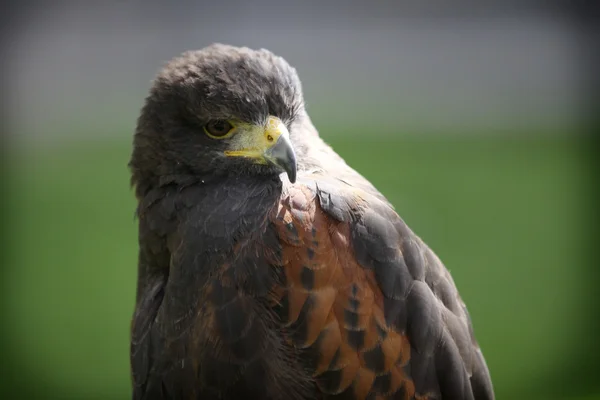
x,y
270,269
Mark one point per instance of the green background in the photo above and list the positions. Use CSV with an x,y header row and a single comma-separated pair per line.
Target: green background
x,y
510,217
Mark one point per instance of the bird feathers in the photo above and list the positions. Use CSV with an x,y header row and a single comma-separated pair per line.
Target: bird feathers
x,y
250,287
311,287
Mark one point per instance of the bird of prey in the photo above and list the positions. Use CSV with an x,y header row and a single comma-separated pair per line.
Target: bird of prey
x,y
270,269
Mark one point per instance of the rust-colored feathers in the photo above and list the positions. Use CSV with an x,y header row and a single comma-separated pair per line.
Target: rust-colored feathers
x,y
334,306
251,287
373,303
327,294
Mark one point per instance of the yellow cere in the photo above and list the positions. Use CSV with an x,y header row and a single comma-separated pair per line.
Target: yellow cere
x,y
252,140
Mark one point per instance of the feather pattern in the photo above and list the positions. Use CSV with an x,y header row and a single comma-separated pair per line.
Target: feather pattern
x,y
326,294
250,287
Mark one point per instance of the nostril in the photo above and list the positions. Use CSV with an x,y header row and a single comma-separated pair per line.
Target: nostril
x,y
269,138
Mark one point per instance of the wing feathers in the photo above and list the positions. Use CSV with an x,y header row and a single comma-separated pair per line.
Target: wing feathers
x,y
374,305
332,296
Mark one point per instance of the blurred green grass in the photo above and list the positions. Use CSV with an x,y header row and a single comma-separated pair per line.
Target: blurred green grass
x,y
508,216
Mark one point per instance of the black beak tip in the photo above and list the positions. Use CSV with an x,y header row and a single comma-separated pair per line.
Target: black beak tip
x,y
292,175
288,164
283,155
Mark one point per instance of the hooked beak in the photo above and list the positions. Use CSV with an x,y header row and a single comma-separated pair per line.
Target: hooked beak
x,y
269,144
282,154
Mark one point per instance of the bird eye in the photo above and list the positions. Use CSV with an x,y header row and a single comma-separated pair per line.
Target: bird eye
x,y
218,129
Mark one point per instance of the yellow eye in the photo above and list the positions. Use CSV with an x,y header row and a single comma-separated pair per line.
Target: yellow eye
x,y
218,129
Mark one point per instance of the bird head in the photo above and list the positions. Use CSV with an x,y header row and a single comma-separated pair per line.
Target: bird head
x,y
218,112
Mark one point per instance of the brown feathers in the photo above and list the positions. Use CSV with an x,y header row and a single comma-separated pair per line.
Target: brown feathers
x,y
339,302
250,287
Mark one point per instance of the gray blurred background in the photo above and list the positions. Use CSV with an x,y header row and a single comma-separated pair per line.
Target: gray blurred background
x,y
469,116
428,66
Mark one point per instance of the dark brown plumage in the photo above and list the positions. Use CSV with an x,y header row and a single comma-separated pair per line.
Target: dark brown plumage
x,y
254,287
